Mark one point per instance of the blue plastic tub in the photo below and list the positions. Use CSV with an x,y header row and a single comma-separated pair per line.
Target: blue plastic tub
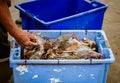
x,y
62,14
64,71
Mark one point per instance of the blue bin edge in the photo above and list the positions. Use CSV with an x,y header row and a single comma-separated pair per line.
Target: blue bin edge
x,y
58,20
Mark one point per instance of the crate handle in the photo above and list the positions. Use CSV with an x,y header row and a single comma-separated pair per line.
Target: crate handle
x,y
15,53
15,49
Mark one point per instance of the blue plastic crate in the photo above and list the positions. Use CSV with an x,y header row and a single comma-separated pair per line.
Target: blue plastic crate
x,y
62,14
63,71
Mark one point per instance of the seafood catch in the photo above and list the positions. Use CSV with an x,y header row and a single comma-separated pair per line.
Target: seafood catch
x,y
67,46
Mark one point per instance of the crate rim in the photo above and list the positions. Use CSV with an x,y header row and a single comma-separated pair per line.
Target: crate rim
x,y
109,60
61,19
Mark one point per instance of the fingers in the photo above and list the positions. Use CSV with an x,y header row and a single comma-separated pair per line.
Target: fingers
x,y
32,41
33,37
29,43
27,39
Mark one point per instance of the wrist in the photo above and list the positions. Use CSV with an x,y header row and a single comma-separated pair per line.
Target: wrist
x,y
14,32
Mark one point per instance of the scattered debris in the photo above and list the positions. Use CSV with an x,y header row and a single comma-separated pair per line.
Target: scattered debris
x,y
22,69
57,70
55,80
35,76
92,76
80,75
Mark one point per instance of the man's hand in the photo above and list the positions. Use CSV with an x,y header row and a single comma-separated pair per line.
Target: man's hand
x,y
24,38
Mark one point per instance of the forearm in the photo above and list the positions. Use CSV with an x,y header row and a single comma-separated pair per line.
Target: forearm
x,y
6,19
23,38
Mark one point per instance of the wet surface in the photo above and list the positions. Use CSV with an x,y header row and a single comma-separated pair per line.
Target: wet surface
x,y
111,26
